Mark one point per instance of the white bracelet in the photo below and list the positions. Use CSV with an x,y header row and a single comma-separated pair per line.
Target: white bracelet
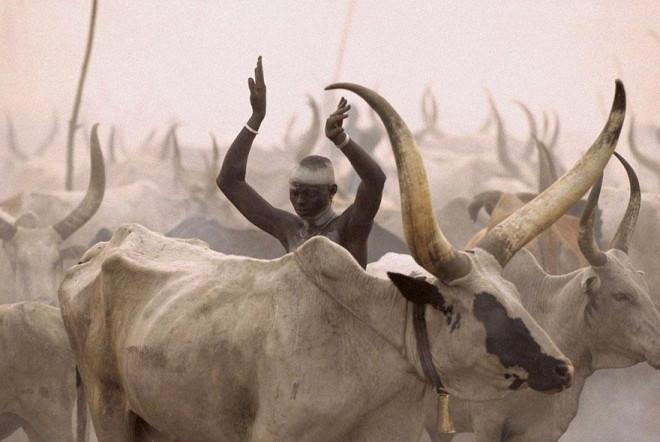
x,y
247,126
343,143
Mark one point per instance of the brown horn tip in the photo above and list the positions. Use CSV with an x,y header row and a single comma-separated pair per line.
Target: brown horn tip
x,y
534,217
95,191
626,227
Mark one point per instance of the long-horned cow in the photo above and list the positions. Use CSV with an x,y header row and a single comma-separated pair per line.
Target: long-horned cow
x,y
601,316
34,252
175,341
37,373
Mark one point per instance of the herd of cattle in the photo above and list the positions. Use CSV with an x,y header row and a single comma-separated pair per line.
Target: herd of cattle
x,y
145,302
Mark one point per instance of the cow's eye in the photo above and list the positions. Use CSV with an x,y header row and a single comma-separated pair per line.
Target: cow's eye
x,y
621,297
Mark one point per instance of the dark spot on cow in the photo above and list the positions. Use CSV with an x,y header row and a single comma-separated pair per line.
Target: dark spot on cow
x,y
511,341
153,358
456,324
418,291
43,392
517,381
294,391
204,309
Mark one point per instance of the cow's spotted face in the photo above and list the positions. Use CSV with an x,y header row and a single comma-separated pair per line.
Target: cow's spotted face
x,y
619,314
484,343
36,262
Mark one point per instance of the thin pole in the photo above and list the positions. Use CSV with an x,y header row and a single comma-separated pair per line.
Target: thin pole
x,y
344,38
73,122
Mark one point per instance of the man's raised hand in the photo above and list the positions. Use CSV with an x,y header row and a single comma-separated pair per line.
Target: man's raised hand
x,y
333,125
258,91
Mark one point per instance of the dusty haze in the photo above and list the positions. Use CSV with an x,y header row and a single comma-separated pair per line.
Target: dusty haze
x,y
156,61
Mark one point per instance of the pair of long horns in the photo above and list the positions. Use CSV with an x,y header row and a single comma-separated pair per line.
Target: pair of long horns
x,y
87,207
13,144
501,141
534,132
586,240
427,244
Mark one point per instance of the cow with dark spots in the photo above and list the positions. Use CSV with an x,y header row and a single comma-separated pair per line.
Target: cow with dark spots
x,y
511,341
359,347
601,316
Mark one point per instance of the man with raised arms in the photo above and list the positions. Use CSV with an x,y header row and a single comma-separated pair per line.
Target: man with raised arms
x,y
311,186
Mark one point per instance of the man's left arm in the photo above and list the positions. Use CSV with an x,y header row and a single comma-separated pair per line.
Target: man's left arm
x,y
372,177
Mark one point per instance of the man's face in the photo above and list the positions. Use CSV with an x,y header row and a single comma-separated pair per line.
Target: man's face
x,y
310,200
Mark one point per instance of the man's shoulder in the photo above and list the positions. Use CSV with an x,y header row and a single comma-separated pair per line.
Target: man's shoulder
x,y
352,222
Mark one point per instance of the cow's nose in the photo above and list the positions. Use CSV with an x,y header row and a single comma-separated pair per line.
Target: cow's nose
x,y
564,371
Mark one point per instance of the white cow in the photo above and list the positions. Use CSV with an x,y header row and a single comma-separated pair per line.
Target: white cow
x,y
37,374
174,341
33,251
602,316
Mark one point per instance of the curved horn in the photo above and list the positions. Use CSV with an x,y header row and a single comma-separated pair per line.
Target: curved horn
x,y
111,145
12,142
488,121
48,141
645,160
486,200
555,133
165,146
546,125
148,139
309,139
533,130
429,108
212,166
502,147
427,244
176,149
626,228
547,171
215,159
94,196
586,237
7,226
537,215
288,139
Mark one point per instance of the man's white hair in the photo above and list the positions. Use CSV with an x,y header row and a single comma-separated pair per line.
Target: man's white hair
x,y
314,170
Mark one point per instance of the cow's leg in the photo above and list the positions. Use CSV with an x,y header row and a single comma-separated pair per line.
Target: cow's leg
x,y
113,422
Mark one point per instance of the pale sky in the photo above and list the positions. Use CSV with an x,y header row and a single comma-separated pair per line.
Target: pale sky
x,y
155,60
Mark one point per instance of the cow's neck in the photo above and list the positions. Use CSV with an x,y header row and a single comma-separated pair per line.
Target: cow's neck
x,y
558,304
371,300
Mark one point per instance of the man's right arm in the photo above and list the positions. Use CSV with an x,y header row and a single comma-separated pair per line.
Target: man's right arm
x,y
231,179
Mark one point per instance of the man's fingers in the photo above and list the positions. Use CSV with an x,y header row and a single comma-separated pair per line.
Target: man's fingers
x,y
251,84
259,71
334,119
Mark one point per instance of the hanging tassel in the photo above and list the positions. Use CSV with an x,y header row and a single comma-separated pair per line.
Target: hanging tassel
x,y
445,423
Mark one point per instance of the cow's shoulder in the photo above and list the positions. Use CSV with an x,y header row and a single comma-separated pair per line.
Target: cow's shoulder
x,y
334,270
33,324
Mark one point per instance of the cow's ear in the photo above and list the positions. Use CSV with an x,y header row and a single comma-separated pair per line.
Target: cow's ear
x,y
590,282
415,290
